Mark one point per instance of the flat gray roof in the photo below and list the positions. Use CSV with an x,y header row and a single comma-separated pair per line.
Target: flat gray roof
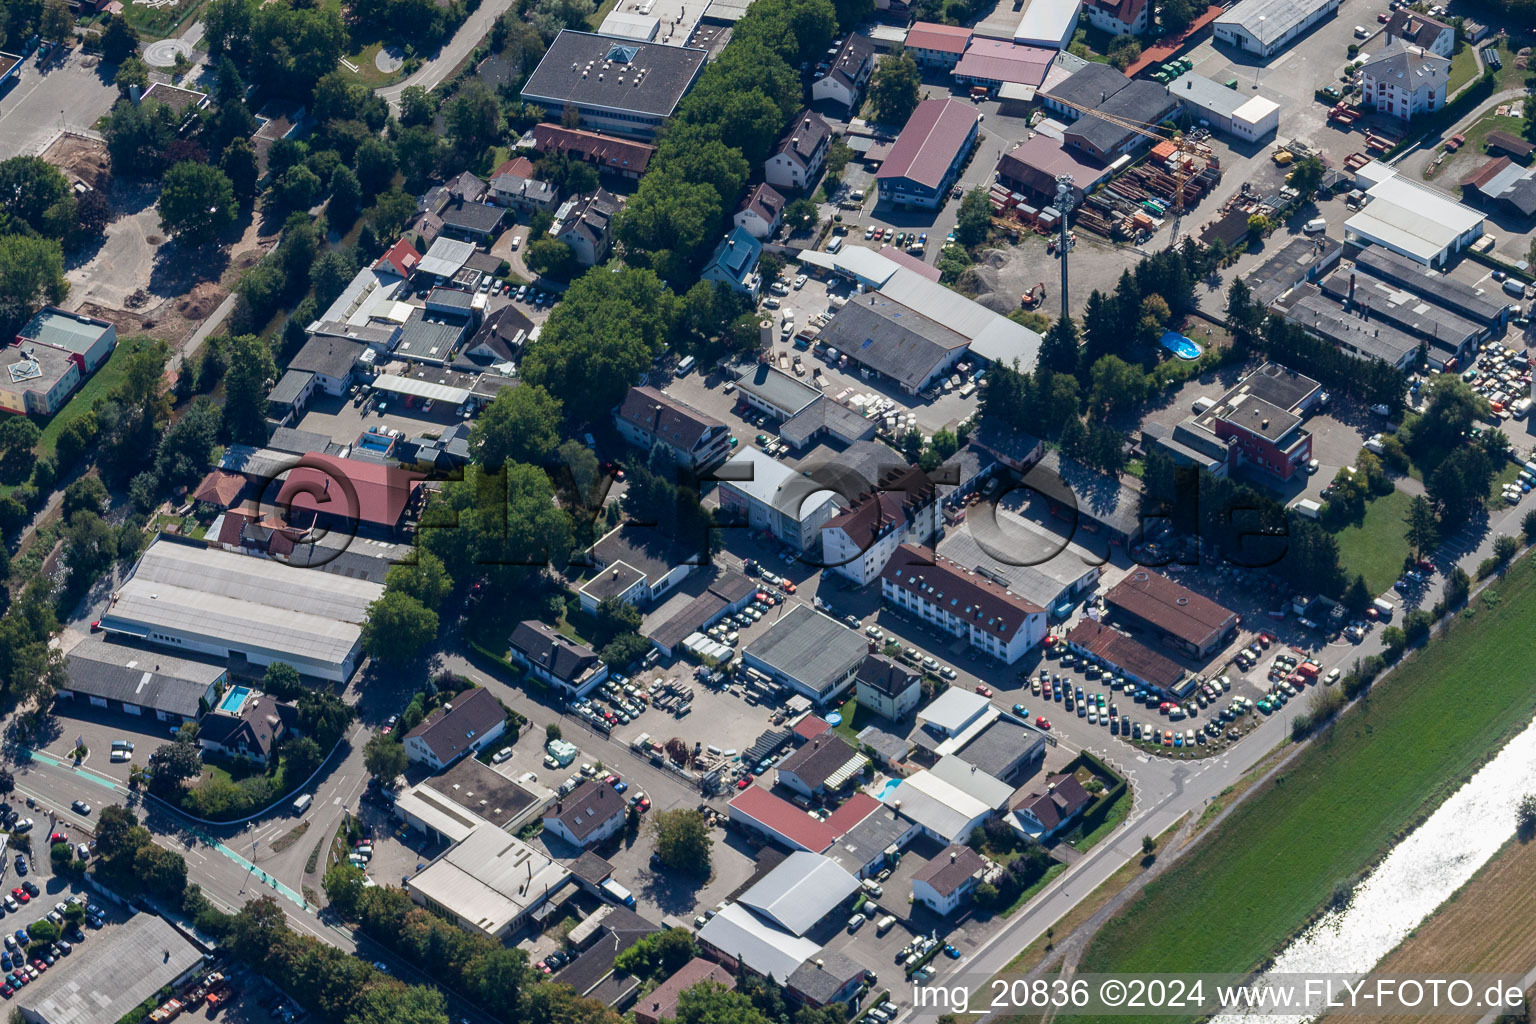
x,y
151,679
800,891
808,646
600,71
243,602
123,968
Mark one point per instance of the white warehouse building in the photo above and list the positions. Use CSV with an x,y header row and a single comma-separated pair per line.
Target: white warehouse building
x,y
1266,27
1048,23
1227,110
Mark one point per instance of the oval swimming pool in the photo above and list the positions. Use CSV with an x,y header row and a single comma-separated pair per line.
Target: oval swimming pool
x,y
1179,345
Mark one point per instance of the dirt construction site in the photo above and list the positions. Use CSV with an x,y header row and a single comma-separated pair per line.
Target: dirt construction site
x,y
133,278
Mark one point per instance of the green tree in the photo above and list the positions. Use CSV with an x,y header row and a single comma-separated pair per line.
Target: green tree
x,y
239,165
87,493
343,883
131,72
426,579
399,628
139,135
895,89
35,198
301,756
1059,349
1306,175
418,107
551,257
375,165
57,23
391,212
683,841
196,202
118,40
31,274
1358,597
473,118
1124,51
346,198
384,758
601,337
1423,530
298,188
521,424
974,219
245,388
173,764
1505,548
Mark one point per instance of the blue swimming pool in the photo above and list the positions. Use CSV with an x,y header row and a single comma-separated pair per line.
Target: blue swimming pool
x,y
888,789
1179,345
234,700
369,441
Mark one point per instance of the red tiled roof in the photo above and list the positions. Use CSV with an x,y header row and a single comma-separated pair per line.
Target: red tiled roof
x,y
999,61
350,488
609,152
1125,653
220,487
981,603
928,144
661,1002
520,166
1124,11
794,824
1170,606
1484,174
810,727
926,35
402,257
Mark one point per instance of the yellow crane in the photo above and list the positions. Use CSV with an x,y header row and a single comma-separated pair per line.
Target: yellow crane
x,y
1153,132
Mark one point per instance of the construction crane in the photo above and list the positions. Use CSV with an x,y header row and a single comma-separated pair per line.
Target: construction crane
x,y
1064,182
1150,131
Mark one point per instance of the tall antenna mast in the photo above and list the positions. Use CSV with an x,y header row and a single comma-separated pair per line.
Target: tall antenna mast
x,y
1064,204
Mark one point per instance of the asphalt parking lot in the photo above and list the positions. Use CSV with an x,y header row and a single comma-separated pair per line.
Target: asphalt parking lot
x,y
41,102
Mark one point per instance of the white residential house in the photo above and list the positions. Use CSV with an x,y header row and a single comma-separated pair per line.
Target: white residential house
x,y
1422,31
1118,17
947,882
904,509
797,159
465,725
963,603
1405,81
888,688
843,80
761,212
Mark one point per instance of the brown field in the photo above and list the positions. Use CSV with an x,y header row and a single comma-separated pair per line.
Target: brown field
x,y
1486,927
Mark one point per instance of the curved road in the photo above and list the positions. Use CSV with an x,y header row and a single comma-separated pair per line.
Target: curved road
x,y
431,74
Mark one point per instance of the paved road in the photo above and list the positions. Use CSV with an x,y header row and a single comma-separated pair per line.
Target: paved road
x,y
431,74
1162,800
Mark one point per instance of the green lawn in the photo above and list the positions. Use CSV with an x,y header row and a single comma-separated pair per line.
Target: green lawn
x,y
1376,547
1117,813
603,10
1259,876
855,717
1463,68
160,22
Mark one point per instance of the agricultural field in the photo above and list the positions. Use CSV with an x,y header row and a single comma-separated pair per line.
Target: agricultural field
x,y
1484,928
1260,875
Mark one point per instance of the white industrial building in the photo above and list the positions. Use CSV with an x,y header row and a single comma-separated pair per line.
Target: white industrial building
x,y
949,800
1224,109
1049,23
119,970
802,890
488,883
1266,27
210,601
1412,219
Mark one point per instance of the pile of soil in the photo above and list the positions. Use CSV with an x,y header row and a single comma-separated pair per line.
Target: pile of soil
x,y
202,300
